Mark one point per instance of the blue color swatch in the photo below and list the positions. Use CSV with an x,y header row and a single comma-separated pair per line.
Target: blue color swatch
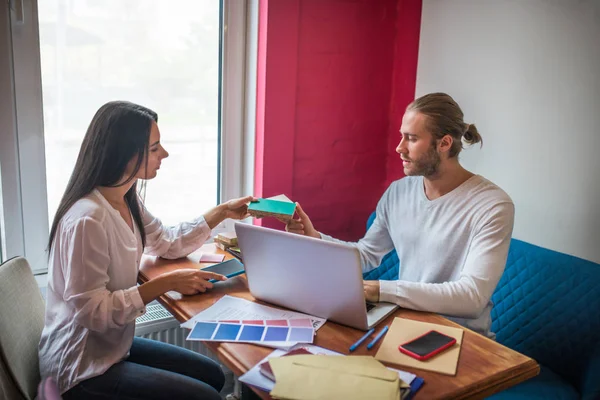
x,y
251,332
276,334
233,331
203,330
301,335
227,332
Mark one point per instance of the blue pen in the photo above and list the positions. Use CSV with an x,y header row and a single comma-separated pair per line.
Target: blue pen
x,y
379,336
362,339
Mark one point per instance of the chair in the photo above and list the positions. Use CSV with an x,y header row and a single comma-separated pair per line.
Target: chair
x,y
21,324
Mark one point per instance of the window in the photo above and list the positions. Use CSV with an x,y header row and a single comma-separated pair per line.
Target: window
x,y
149,52
186,59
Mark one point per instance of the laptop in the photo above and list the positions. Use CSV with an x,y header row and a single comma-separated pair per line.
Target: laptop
x,y
313,276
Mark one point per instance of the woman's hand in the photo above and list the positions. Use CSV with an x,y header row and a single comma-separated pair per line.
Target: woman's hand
x,y
191,281
234,209
302,225
185,281
238,208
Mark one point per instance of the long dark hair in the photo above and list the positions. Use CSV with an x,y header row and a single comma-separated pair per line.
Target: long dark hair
x,y
118,133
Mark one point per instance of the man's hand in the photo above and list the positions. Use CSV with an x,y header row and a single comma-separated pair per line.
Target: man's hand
x,y
371,291
302,225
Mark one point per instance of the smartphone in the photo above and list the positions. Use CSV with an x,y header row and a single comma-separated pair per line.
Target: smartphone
x,y
427,345
228,268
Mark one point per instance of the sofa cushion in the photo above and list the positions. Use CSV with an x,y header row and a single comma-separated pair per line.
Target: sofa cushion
x,y
546,386
546,306
388,270
590,379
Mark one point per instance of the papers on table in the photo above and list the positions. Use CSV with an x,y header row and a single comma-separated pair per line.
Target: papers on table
x,y
255,378
234,308
304,377
229,308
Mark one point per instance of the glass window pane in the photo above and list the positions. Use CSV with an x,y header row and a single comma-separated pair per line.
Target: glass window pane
x,y
161,54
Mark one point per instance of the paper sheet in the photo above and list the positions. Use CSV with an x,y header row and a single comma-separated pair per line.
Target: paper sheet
x,y
280,197
255,378
329,377
235,308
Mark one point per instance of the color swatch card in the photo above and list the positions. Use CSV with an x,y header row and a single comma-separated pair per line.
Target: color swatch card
x,y
272,208
298,322
258,331
237,309
234,308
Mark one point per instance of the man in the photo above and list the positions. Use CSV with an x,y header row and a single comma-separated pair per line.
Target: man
x,y
450,227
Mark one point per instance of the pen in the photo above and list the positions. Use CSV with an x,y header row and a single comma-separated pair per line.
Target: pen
x,y
362,339
379,335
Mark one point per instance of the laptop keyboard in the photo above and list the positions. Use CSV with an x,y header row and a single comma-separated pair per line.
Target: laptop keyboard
x,y
369,306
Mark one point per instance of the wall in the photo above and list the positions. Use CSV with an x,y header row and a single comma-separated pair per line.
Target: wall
x,y
323,115
528,74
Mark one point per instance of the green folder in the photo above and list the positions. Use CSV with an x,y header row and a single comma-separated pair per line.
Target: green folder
x,y
272,207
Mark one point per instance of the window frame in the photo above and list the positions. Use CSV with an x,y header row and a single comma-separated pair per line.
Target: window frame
x,y
23,207
238,102
22,160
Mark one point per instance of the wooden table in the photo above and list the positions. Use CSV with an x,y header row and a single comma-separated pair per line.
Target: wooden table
x,y
484,367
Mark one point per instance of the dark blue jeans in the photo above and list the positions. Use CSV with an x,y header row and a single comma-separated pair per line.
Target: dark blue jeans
x,y
154,370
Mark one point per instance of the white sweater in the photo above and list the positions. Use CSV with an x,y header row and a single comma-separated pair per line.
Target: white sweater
x,y
92,298
452,250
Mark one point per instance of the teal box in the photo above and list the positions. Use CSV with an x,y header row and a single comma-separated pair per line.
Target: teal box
x,y
272,207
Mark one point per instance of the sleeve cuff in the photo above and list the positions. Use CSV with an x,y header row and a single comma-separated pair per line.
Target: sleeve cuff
x,y
201,222
387,291
202,233
136,300
326,237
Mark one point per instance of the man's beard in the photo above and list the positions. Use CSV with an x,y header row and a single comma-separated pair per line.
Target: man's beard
x,y
426,165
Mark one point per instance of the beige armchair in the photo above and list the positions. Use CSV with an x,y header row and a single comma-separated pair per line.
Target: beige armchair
x,y
21,324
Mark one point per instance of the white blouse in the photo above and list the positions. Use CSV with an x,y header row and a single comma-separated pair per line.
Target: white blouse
x,y
92,297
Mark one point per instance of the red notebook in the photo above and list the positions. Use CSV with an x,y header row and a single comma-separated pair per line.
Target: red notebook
x,y
265,368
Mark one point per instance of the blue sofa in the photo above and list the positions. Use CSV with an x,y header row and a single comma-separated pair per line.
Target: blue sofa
x,y
546,306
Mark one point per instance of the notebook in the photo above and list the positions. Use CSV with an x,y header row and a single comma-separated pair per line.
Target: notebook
x,y
402,330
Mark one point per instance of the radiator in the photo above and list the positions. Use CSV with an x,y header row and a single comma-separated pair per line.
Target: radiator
x,y
158,324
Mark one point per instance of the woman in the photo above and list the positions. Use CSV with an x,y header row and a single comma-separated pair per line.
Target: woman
x,y
96,243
